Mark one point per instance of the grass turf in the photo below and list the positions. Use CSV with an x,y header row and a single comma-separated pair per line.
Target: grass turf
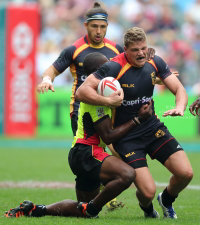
x,y
51,165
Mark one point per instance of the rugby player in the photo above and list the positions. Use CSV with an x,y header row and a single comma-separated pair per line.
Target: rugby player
x,y
194,107
89,161
137,77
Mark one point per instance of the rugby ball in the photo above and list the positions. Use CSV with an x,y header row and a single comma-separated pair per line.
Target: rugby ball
x,y
107,86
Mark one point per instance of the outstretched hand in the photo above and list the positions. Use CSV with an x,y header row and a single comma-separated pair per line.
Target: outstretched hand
x,y
145,111
44,87
194,108
174,112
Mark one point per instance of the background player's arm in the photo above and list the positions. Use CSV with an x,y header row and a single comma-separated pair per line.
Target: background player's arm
x,y
46,84
87,93
159,81
109,135
175,86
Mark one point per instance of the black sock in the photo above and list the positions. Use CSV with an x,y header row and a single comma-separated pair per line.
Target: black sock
x,y
93,211
147,210
167,199
39,211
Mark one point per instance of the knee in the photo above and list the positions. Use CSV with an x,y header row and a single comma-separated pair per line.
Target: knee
x,y
188,174
127,177
149,193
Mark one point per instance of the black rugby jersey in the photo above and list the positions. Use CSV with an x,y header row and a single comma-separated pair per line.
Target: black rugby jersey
x,y
73,56
138,86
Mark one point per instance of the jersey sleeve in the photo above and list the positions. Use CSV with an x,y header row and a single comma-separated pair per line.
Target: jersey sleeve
x,y
119,48
65,59
163,69
109,69
98,113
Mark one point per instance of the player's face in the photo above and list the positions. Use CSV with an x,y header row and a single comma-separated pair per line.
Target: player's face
x,y
136,53
96,31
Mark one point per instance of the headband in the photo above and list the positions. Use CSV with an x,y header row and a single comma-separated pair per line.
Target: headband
x,y
97,16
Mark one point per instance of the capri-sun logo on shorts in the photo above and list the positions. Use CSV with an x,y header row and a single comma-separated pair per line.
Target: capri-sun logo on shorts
x,y
100,111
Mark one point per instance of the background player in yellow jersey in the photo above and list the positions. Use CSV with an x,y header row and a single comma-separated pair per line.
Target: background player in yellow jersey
x,y
89,161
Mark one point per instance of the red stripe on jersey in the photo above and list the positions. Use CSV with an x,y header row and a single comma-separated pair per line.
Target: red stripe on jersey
x,y
151,61
110,42
79,42
121,59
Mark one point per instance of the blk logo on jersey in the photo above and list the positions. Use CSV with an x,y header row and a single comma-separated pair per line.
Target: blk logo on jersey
x,y
128,85
137,101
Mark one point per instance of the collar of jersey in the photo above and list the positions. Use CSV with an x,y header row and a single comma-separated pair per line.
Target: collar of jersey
x,y
130,63
94,46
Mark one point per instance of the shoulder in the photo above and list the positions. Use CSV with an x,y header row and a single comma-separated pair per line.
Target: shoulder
x,y
80,42
113,45
120,59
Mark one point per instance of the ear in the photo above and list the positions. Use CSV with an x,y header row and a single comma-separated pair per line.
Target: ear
x,y
86,25
125,49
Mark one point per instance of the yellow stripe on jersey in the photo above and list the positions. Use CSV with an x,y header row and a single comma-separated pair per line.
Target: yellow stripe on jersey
x,y
79,50
123,70
153,64
112,48
75,76
97,46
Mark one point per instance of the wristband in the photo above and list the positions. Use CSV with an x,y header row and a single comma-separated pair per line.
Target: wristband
x,y
47,79
136,120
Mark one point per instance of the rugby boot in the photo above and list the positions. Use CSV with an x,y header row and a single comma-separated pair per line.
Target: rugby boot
x,y
168,211
24,209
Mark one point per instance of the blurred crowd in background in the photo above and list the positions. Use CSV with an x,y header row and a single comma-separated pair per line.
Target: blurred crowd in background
x,y
172,27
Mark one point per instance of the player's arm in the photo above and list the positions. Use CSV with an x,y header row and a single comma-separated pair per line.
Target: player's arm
x,y
159,81
194,107
109,135
175,86
61,63
48,77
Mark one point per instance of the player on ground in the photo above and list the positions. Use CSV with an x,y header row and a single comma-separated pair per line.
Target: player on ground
x,y
194,107
137,78
89,161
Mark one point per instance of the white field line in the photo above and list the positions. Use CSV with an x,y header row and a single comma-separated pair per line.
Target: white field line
x,y
54,184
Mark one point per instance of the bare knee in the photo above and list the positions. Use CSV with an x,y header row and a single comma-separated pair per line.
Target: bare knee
x,y
127,176
147,193
187,174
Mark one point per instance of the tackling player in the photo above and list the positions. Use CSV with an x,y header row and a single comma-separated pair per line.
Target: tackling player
x,y
137,78
89,161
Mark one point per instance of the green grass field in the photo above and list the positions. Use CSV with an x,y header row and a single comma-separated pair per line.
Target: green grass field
x,y
52,165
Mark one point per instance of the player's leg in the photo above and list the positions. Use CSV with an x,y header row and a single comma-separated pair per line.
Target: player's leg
x,y
145,192
171,155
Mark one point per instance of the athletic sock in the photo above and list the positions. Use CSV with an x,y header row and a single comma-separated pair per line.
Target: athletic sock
x,y
39,211
93,211
147,210
167,199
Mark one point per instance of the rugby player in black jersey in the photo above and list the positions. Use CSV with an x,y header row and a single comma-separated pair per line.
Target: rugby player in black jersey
x,y
137,77
194,107
89,161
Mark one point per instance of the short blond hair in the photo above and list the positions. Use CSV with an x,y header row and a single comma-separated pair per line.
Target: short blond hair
x,y
134,34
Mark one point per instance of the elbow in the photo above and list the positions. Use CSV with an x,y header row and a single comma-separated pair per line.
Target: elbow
x,y
106,139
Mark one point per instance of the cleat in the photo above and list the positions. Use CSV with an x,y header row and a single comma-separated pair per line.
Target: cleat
x,y
25,209
82,206
168,211
153,214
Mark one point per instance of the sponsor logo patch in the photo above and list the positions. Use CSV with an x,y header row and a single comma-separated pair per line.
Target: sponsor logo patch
x,y
100,112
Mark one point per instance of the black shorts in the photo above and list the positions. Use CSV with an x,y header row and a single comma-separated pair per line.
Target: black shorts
x,y
74,123
158,144
85,162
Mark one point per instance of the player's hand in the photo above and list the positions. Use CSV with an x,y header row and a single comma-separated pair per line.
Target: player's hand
x,y
116,98
175,73
194,108
174,112
145,111
150,54
44,87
